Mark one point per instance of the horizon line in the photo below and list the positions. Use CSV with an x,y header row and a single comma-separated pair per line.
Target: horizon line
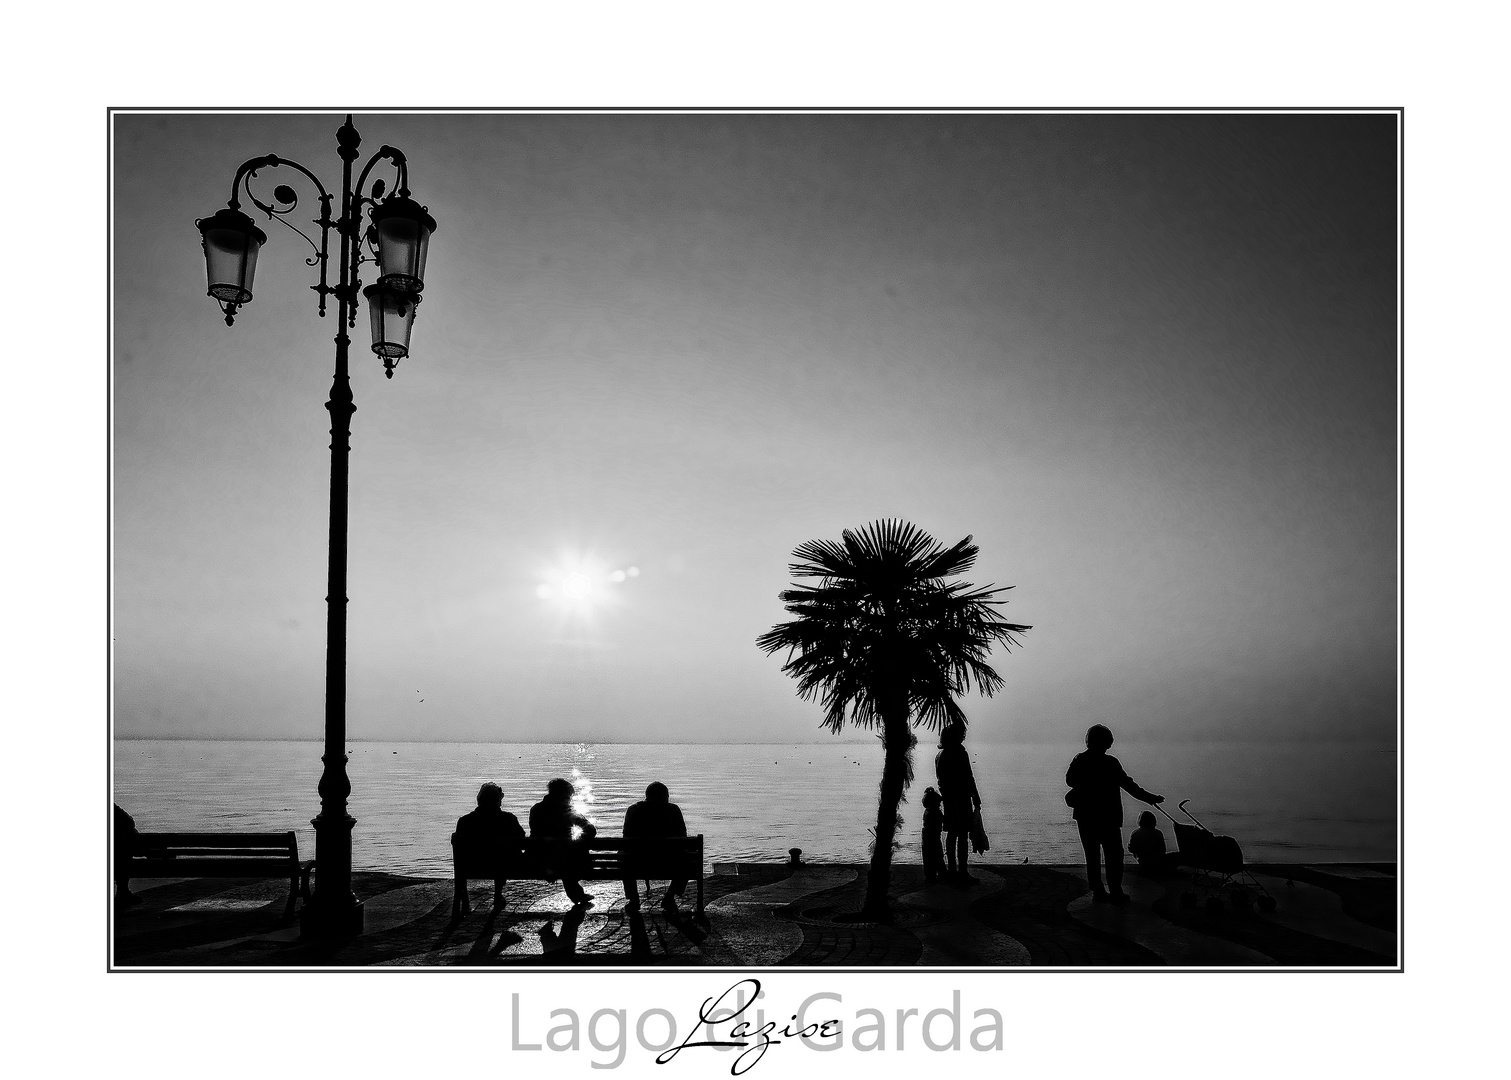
x,y
711,742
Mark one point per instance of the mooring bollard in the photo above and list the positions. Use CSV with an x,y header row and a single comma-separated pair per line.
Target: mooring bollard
x,y
797,856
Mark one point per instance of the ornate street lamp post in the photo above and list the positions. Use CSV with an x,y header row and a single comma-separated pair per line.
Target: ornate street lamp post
x,y
397,238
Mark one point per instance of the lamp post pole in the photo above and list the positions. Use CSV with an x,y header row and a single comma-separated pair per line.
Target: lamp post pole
x,y
398,237
334,910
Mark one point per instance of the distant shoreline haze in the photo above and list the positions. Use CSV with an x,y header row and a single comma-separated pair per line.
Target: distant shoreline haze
x,y
925,739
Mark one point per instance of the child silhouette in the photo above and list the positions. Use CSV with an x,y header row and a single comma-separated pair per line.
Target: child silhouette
x,y
933,830
1147,844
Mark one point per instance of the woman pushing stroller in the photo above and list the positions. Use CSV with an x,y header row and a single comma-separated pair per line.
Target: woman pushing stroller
x,y
1097,781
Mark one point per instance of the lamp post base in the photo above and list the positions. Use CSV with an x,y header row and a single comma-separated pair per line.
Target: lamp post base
x,y
330,922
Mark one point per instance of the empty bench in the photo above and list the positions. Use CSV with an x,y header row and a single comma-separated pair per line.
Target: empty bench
x,y
251,855
603,858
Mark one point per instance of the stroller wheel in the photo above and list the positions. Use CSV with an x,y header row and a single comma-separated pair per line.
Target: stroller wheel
x,y
1266,903
1188,899
1214,903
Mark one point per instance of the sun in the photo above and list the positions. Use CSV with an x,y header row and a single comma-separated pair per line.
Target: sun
x,y
579,584
576,586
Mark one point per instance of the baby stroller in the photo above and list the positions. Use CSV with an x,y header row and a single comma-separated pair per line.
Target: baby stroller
x,y
1216,864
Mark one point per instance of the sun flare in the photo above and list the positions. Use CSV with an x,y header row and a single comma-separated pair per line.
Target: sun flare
x,y
579,584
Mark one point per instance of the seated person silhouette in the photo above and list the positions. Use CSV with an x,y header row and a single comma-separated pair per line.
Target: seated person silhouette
x,y
1147,845
125,846
656,816
933,836
488,841
553,819
1097,782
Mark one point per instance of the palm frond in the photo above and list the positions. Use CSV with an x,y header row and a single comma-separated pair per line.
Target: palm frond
x,y
883,628
954,560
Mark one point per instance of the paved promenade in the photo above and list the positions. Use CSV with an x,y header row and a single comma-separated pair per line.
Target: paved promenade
x,y
763,914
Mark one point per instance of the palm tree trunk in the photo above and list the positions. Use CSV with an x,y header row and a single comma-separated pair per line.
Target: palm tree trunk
x,y
896,772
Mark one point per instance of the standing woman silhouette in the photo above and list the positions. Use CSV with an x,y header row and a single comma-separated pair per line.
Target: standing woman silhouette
x,y
1097,782
957,787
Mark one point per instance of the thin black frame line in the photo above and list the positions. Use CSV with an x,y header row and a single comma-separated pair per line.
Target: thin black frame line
x,y
596,970
109,536
1396,111
1401,541
911,110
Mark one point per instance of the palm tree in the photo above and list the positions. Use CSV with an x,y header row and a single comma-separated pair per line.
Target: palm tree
x,y
886,641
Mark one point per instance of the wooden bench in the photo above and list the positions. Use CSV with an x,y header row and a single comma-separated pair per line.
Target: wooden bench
x,y
603,858
223,855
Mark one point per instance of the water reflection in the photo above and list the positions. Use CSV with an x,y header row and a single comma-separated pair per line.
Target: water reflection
x,y
582,796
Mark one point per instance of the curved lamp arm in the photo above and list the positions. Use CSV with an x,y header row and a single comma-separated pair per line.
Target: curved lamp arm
x,y
401,163
359,200
287,200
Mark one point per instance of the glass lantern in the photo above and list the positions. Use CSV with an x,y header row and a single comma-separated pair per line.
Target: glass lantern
x,y
402,229
231,241
392,314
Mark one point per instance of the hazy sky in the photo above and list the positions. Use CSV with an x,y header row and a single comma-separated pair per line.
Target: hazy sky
x,y
1148,362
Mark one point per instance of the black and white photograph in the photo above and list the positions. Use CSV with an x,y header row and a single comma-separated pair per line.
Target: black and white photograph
x,y
760,540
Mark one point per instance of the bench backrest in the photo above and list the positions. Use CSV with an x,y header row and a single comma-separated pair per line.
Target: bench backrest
x,y
601,857
219,845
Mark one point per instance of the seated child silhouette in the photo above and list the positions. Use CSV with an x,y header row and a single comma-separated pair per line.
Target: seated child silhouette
x,y
933,831
1147,845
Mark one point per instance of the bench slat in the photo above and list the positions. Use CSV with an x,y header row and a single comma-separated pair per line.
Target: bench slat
x,y
183,858
621,843
256,852
146,867
613,845
217,839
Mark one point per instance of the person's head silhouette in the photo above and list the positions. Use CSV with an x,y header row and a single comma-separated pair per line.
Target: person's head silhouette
x,y
931,798
1098,738
490,794
1147,820
952,735
656,793
560,790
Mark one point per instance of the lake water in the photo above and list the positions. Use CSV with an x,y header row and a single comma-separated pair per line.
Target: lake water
x,y
1284,802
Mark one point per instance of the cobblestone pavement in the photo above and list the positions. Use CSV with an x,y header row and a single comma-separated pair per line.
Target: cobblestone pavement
x,y
767,915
